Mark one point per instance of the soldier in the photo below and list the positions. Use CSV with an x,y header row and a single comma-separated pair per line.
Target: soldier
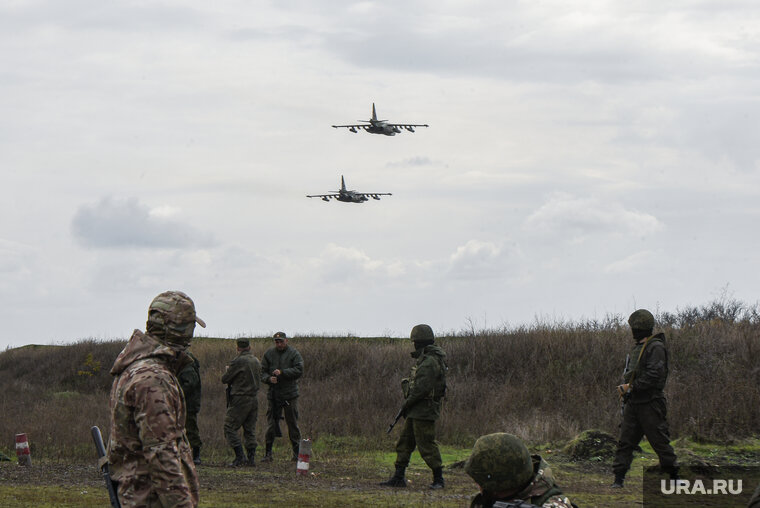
x,y
755,501
190,380
645,410
242,380
281,367
505,471
149,454
423,392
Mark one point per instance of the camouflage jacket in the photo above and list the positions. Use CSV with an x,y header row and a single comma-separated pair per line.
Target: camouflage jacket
x,y
148,451
290,363
426,385
650,369
541,491
243,375
190,381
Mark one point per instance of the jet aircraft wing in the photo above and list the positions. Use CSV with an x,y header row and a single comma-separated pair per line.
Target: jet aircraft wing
x,y
372,194
323,196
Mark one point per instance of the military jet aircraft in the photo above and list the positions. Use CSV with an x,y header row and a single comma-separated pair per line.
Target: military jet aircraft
x,y
349,196
380,126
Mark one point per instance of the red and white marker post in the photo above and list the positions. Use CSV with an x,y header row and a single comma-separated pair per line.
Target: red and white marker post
x,y
304,455
22,450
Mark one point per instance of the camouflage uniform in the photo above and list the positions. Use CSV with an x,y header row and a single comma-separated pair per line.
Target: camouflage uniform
x,y
423,392
645,412
242,378
290,363
190,380
505,471
148,451
755,501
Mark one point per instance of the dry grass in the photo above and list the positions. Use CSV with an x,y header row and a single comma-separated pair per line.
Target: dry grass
x,y
544,382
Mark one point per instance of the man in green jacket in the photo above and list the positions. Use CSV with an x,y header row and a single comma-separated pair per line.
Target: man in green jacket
x,y
243,380
190,380
645,410
423,392
281,367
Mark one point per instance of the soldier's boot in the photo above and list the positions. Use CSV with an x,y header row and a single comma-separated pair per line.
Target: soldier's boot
x,y
437,479
197,455
397,480
618,483
268,454
239,457
251,457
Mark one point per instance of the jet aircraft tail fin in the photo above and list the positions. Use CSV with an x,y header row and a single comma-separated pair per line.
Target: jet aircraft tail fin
x,y
342,184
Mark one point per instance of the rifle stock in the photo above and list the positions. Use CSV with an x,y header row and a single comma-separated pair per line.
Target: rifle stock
x,y
103,463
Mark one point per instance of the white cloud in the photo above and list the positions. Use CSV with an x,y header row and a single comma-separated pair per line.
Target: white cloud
x,y
114,223
567,215
480,260
630,263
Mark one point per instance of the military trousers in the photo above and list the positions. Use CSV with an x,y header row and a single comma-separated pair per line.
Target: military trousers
x,y
290,414
420,434
242,411
191,429
645,419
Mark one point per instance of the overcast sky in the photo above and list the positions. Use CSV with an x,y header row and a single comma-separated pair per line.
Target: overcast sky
x,y
583,158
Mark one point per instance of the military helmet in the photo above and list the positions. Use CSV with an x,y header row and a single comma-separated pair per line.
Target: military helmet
x,y
422,333
500,463
641,319
172,318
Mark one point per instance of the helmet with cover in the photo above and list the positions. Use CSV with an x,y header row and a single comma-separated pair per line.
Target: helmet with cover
x,y
500,463
422,335
641,320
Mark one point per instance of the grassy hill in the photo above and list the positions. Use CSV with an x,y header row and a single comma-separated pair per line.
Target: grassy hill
x,y
545,383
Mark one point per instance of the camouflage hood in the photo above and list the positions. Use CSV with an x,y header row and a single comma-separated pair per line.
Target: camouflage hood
x,y
430,349
140,347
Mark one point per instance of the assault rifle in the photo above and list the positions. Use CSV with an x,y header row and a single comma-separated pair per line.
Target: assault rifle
x,y
278,404
395,421
103,464
625,396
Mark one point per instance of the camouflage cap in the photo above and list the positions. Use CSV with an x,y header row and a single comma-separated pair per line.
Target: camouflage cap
x,y
171,317
641,319
279,335
500,463
422,333
243,343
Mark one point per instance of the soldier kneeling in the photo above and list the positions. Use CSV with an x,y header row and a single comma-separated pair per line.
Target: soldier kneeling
x,y
508,476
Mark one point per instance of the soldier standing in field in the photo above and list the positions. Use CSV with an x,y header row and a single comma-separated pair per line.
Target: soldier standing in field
x,y
645,410
242,380
149,454
505,471
281,366
190,380
423,392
